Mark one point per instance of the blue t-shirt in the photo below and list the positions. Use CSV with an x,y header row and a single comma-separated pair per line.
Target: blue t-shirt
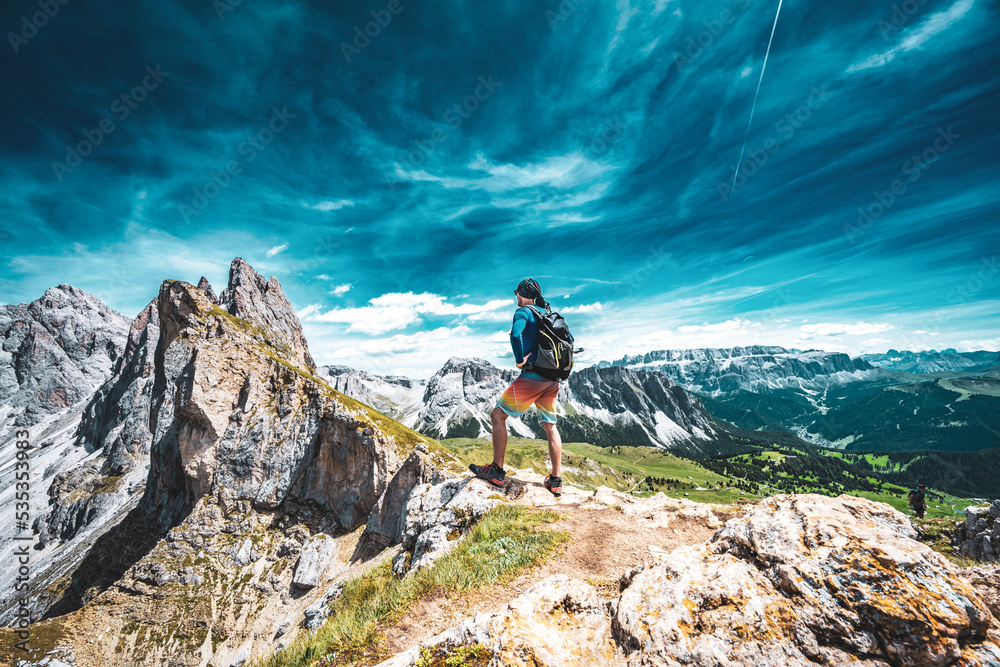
x,y
524,338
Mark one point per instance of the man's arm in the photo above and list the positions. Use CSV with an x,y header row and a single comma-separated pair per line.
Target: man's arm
x,y
516,340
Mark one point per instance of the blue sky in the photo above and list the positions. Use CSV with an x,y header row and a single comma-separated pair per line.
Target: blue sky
x,y
400,183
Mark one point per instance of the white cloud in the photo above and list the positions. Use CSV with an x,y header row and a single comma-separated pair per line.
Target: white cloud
x,y
874,344
330,205
974,345
565,218
341,289
277,249
808,331
558,171
587,308
397,310
735,324
323,276
309,310
934,24
921,332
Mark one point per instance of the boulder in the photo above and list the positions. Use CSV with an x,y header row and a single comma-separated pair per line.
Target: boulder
x,y
806,579
978,537
558,622
314,560
317,612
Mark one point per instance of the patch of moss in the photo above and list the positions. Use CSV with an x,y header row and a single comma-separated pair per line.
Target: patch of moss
x,y
475,655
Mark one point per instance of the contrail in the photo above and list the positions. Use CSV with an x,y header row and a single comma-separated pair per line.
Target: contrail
x,y
754,106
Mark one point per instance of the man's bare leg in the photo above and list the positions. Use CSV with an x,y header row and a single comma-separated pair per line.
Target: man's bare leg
x,y
499,419
555,447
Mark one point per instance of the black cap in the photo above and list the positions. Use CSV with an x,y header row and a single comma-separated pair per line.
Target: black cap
x,y
529,289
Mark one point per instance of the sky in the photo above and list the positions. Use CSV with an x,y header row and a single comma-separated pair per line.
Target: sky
x,y
400,165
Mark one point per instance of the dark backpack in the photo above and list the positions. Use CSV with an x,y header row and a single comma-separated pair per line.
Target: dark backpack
x,y
554,360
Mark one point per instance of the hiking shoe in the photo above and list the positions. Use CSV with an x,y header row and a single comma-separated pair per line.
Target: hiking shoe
x,y
554,484
491,473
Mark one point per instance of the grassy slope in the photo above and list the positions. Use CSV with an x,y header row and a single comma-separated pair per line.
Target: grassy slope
x,y
502,545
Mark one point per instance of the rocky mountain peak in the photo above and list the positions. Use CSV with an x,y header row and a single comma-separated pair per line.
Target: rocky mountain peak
x,y
262,302
55,350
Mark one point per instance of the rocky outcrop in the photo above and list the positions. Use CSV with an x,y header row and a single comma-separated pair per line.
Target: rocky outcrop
x,y
978,536
314,559
802,579
436,516
219,404
387,520
799,580
253,299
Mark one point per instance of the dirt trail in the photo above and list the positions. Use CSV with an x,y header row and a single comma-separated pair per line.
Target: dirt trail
x,y
609,534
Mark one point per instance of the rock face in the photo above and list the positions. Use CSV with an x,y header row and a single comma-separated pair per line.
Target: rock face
x,y
799,580
667,413
55,351
979,535
219,397
759,368
436,516
387,520
252,298
313,560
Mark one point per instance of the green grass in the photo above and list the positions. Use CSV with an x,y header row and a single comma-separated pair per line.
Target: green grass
x,y
587,466
505,542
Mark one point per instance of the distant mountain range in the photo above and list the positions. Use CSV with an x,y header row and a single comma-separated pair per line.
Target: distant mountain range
x,y
671,398
604,406
896,401
932,361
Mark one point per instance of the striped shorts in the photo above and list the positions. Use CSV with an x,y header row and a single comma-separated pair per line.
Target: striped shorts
x,y
523,393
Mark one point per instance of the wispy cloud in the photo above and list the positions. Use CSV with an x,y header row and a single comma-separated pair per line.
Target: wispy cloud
x,y
277,250
934,24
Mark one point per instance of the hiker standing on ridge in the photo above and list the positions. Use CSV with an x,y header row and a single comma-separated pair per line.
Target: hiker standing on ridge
x,y
528,389
918,500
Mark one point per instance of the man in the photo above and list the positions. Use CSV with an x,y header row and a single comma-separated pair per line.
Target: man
x,y
918,500
528,389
